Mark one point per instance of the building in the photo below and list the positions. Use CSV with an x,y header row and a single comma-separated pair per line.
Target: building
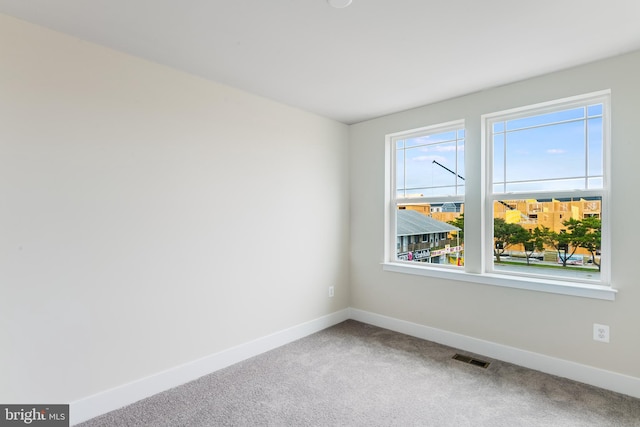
x,y
546,213
551,214
528,213
424,239
444,212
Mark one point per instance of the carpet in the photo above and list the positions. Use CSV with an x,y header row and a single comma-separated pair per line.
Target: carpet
x,y
354,374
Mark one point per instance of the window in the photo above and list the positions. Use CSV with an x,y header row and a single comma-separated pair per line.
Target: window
x,y
548,160
539,204
427,188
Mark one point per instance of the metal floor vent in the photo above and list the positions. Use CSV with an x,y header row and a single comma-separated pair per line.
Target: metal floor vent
x,y
471,360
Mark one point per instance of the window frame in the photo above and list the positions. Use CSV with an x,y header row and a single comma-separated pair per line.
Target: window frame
x,y
602,97
480,273
392,201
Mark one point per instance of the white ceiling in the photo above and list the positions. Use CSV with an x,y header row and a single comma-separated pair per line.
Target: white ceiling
x,y
370,59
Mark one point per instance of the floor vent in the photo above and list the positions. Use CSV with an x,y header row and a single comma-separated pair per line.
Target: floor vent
x,y
471,360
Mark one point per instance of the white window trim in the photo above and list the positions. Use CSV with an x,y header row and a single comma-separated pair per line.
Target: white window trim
x,y
503,280
576,101
390,190
602,291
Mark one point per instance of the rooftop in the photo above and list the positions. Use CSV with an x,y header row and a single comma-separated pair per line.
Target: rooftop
x,y
410,223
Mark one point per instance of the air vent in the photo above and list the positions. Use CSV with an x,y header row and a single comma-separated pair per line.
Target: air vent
x,y
471,360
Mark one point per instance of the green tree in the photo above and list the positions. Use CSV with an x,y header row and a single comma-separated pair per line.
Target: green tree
x,y
561,242
458,222
532,241
504,236
587,234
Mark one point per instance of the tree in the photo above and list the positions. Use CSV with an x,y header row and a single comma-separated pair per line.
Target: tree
x,y
504,236
561,242
458,222
532,241
587,234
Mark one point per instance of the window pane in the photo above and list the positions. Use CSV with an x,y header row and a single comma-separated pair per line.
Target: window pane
x,y
595,147
431,139
430,233
432,191
498,159
433,165
595,110
558,185
595,183
430,165
546,119
551,152
400,184
548,237
562,150
460,168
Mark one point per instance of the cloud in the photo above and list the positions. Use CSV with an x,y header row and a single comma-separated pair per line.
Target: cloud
x,y
556,151
446,148
423,158
429,159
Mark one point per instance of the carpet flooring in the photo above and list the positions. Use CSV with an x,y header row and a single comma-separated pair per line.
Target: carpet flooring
x,y
355,374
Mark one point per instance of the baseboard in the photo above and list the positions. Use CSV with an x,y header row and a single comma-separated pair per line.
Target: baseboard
x,y
586,374
109,400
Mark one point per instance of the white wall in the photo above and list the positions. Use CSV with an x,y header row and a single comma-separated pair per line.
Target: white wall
x,y
149,218
548,324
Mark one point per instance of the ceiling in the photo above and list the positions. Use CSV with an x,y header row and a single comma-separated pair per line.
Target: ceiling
x,y
370,59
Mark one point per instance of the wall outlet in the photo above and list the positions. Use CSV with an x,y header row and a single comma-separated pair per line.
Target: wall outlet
x,y
330,291
601,332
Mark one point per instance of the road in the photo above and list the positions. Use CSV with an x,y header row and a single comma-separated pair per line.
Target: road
x,y
591,274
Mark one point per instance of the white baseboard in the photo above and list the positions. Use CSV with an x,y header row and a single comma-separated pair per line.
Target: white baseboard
x,y
613,381
109,400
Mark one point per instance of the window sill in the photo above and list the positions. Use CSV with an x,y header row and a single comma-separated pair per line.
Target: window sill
x,y
531,284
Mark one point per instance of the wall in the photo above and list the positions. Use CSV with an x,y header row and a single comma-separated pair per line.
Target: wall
x,y
548,324
149,218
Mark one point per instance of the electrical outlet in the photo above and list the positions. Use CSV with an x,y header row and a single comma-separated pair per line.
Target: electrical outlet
x,y
600,332
330,291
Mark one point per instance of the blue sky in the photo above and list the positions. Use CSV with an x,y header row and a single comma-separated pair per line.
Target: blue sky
x,y
546,152
416,169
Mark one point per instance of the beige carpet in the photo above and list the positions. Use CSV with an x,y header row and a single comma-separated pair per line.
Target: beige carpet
x,y
359,375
